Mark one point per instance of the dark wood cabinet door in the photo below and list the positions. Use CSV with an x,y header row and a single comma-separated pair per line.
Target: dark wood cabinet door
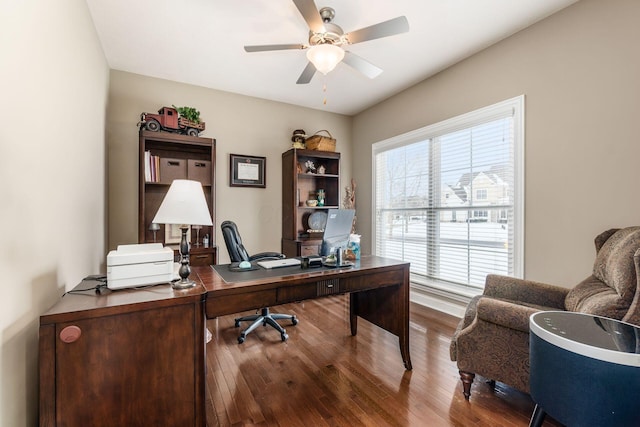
x,y
132,369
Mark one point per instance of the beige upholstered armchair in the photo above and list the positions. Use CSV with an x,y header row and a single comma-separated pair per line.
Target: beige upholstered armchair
x,y
492,339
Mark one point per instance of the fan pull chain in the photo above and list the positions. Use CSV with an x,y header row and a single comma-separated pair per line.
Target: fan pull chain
x,y
324,89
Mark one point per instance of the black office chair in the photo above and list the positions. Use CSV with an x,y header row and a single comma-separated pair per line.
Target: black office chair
x,y
238,253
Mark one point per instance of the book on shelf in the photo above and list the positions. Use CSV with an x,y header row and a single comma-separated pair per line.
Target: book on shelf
x,y
151,167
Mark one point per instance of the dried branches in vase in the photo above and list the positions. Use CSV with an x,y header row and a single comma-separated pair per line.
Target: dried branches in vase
x,y
349,201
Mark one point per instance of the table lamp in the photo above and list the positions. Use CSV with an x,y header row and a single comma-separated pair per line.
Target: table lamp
x,y
154,227
184,205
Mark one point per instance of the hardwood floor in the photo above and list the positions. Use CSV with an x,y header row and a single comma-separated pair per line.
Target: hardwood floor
x,y
322,376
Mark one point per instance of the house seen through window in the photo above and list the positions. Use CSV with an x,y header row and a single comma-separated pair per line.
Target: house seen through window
x,y
448,198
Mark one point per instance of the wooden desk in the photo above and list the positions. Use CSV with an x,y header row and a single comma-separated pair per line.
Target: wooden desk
x,y
140,357
378,287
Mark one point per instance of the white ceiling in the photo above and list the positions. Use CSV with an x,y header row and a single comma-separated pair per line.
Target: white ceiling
x,y
200,42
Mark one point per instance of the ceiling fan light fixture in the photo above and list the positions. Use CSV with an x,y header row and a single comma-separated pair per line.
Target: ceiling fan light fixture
x,y
325,57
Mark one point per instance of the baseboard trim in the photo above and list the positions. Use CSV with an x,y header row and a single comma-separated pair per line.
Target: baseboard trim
x,y
438,301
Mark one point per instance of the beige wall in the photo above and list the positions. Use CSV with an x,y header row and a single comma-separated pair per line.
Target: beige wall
x,y
54,83
580,72
240,125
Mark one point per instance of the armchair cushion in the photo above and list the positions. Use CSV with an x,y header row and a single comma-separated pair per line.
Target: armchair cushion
x,y
614,262
611,289
592,296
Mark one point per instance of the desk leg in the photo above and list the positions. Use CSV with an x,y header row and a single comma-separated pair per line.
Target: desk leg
x,y
353,317
386,307
403,335
404,351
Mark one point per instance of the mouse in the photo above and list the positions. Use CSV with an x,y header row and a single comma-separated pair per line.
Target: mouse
x,y
244,264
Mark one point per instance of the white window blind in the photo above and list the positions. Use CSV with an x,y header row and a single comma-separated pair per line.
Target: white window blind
x,y
448,198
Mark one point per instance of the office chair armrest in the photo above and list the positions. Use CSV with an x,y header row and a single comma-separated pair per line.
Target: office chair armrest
x,y
266,255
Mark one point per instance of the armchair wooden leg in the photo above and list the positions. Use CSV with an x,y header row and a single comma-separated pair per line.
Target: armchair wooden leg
x,y
467,380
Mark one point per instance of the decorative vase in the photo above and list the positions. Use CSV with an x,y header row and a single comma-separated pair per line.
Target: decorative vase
x,y
320,197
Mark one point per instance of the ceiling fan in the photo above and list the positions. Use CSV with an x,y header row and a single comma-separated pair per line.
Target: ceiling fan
x,y
326,41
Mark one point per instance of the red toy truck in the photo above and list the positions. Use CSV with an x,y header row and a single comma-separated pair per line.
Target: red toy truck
x,y
169,120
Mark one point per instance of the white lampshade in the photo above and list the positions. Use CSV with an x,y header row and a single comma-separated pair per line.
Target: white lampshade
x,y
184,204
325,57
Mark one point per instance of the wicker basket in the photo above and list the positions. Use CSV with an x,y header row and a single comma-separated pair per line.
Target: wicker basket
x,y
321,142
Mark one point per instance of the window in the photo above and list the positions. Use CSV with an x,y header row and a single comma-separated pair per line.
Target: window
x,y
448,198
480,215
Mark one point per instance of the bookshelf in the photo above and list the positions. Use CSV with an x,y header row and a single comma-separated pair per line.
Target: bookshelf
x,y
164,157
298,186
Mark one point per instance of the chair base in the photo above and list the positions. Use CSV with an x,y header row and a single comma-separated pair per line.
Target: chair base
x,y
264,318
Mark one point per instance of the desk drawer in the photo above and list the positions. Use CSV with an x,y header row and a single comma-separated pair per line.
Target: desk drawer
x,y
296,293
370,281
230,304
201,259
309,290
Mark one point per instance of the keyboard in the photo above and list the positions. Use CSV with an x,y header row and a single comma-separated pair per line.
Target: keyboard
x,y
278,263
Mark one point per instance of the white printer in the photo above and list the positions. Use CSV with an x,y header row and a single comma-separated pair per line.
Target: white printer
x,y
139,265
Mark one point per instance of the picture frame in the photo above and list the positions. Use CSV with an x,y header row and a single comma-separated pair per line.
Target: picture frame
x,y
173,234
247,171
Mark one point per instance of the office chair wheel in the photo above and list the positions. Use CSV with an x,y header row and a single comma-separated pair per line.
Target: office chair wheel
x,y
284,336
241,338
294,320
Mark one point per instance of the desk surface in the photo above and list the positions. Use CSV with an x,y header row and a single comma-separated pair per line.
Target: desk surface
x,y
257,272
213,282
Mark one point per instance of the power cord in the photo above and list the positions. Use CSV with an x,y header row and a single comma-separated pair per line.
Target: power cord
x,y
98,288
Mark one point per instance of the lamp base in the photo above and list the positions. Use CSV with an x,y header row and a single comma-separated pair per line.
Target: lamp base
x,y
184,270
183,284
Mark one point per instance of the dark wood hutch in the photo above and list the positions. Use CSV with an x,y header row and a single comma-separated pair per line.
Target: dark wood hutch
x,y
300,185
175,156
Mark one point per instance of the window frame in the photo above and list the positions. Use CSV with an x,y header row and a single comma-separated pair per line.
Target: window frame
x,y
514,106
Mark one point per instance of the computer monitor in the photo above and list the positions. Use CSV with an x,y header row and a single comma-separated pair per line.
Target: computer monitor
x,y
337,230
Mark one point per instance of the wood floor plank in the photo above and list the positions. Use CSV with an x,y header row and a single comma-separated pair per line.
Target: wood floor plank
x,y
323,376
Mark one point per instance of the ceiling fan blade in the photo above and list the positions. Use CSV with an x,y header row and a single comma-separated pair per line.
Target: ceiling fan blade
x,y
267,47
307,74
309,12
383,29
362,65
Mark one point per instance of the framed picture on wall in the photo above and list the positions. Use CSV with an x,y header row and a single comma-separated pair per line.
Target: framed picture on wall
x,y
247,171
